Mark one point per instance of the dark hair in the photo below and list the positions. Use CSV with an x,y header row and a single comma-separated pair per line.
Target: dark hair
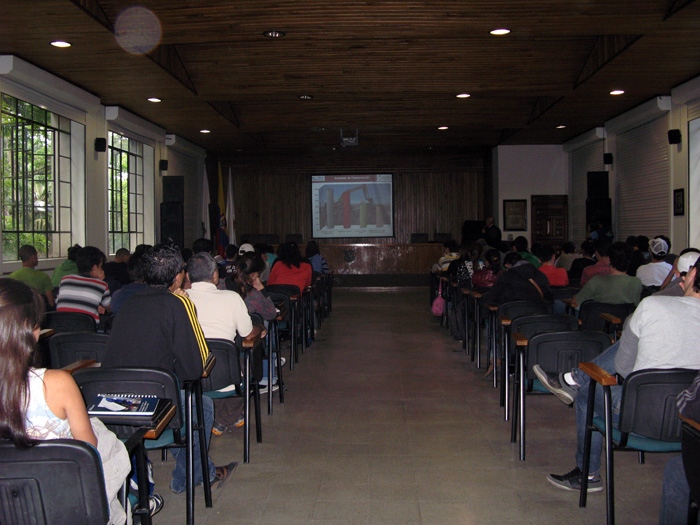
x,y
121,251
134,267
161,264
450,245
26,252
544,252
288,253
88,257
21,311
186,254
73,252
474,252
312,249
568,247
201,267
620,255
696,281
493,258
231,252
642,242
511,258
602,246
247,264
588,247
201,245
520,244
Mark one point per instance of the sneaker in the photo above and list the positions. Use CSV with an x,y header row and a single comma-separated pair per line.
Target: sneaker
x,y
155,504
240,422
264,389
556,384
572,481
283,360
218,429
223,474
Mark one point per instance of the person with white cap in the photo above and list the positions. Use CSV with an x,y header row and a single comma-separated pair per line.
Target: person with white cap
x,y
245,248
673,284
654,273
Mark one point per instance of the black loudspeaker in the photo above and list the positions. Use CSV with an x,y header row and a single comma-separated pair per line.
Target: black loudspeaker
x,y
100,144
597,185
607,158
163,165
173,189
674,136
172,219
599,210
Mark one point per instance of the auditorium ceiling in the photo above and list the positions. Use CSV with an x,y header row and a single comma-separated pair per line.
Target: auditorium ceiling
x,y
375,76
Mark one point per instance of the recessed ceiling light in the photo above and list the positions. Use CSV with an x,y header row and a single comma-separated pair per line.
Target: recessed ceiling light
x,y
60,43
617,92
204,131
443,128
561,126
500,32
463,95
274,34
154,99
306,97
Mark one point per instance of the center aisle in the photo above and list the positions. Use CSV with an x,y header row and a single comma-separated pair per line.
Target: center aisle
x,y
386,421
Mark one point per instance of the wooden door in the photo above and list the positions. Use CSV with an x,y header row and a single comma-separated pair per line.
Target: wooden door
x,y
549,214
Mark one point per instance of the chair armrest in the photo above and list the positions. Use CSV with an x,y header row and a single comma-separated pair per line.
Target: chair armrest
x,y
691,422
79,364
209,365
476,295
466,291
250,343
492,307
45,333
610,318
505,321
569,302
597,374
520,339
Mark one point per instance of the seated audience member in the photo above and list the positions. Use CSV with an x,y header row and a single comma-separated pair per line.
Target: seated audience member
x,y
449,253
675,492
116,271
318,262
640,255
519,282
602,265
87,290
267,253
486,277
67,267
673,284
520,245
32,277
227,267
617,287
662,333
158,327
586,259
289,268
460,270
222,314
567,257
670,257
246,247
135,274
37,404
555,276
654,272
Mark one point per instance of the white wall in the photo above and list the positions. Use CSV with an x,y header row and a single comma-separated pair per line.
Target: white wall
x,y
522,171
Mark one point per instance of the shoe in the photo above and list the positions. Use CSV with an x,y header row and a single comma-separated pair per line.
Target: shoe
x,y
283,360
223,474
155,504
239,423
264,389
556,384
572,481
218,429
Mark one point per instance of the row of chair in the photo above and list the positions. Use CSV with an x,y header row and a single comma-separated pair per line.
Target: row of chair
x,y
525,333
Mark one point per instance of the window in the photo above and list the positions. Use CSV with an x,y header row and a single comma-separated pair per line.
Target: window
x,y
36,179
126,179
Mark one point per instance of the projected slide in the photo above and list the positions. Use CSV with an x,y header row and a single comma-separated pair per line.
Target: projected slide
x,y
352,206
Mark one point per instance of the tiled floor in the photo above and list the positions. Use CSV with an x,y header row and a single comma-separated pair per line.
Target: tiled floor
x,y
387,421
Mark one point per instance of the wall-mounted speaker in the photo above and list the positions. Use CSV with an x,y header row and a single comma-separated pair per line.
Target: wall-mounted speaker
x,y
163,165
607,158
674,136
100,144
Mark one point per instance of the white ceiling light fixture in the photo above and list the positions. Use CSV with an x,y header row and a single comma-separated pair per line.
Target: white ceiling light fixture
x,y
306,97
561,126
155,100
617,92
500,32
463,95
60,43
205,131
274,34
443,128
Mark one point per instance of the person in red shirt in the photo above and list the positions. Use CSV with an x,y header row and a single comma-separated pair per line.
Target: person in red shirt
x,y
556,276
289,268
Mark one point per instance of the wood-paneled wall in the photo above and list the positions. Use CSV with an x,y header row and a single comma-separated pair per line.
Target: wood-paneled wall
x,y
432,193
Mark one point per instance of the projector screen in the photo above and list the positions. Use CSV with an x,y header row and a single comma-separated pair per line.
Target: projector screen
x,y
352,206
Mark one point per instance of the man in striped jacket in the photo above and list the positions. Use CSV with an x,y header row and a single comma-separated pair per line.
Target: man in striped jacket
x,y
85,292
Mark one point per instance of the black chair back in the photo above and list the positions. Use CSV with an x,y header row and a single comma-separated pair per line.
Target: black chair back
x,y
648,405
68,347
690,446
131,380
56,481
589,314
563,351
228,368
61,322
514,309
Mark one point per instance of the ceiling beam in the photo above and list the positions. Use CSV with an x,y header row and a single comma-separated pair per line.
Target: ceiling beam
x,y
605,49
677,6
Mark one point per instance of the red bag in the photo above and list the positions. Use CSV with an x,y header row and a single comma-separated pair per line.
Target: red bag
x,y
484,278
438,307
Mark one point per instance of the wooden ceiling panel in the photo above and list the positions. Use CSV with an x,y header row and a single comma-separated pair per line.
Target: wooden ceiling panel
x,y
389,69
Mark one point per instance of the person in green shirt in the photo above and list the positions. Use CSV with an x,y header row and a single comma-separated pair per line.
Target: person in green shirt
x,y
32,277
67,267
617,287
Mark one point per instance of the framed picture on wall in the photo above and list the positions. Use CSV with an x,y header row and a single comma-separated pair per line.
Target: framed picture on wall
x,y
679,202
515,215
